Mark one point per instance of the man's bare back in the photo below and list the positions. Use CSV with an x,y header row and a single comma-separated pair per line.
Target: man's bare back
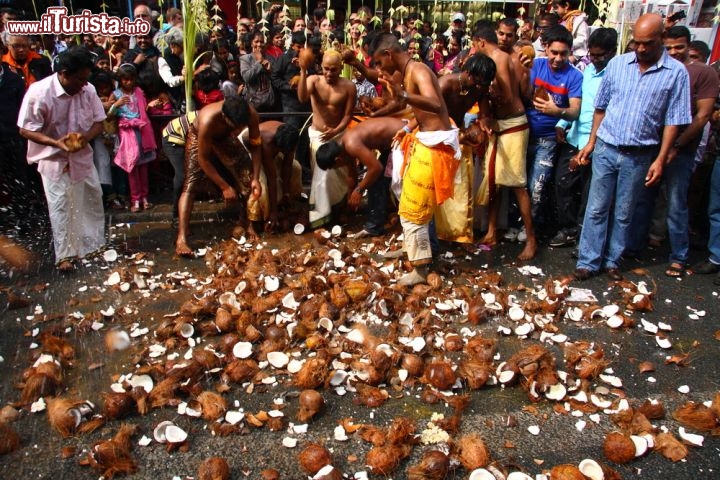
x,y
506,100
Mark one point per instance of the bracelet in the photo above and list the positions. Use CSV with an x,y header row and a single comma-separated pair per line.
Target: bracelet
x,y
111,110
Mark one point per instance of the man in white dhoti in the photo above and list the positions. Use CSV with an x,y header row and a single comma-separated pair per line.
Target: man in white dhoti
x,y
332,99
60,116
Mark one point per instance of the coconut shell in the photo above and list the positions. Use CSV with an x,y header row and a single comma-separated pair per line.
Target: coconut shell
x,y
433,466
118,405
472,452
313,458
696,416
384,459
670,447
224,320
439,374
213,405
619,448
566,472
9,439
240,371
312,374
214,468
39,385
541,94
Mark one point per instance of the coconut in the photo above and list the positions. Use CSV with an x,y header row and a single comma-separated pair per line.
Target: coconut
x,y
214,468
472,452
566,472
619,448
313,458
311,402
433,466
9,439
440,374
213,405
591,469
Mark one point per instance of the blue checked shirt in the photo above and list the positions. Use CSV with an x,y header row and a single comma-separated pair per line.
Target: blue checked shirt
x,y
638,105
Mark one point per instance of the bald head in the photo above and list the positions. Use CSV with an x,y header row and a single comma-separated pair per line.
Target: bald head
x,y
649,24
648,37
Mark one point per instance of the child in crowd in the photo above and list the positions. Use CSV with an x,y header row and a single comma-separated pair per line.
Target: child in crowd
x,y
233,86
207,88
104,145
137,142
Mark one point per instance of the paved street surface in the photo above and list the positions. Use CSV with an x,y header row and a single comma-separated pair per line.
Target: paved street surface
x,y
521,434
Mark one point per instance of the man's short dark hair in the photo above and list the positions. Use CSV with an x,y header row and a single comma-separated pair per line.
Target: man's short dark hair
x,y
678,31
100,78
558,33
286,137
297,38
550,17
509,22
385,41
605,38
480,66
73,60
485,30
326,155
237,110
701,47
571,4
220,43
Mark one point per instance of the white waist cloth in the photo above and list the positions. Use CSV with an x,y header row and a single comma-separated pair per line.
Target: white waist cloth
x,y
328,187
76,215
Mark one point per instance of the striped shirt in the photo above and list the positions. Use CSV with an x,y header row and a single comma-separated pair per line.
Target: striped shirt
x,y
177,128
638,105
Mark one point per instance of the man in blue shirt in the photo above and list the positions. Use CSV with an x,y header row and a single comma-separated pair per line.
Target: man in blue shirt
x,y
555,91
570,181
643,100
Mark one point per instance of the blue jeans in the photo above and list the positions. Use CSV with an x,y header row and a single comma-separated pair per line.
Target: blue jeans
x,y
541,154
618,177
378,195
675,183
714,214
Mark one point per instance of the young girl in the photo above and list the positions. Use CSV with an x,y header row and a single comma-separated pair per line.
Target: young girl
x,y
137,142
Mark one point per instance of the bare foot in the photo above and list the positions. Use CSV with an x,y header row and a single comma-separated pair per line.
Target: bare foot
x,y
528,253
489,239
412,278
182,249
252,235
66,266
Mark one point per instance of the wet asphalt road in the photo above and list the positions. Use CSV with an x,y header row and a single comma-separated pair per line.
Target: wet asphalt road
x,y
514,447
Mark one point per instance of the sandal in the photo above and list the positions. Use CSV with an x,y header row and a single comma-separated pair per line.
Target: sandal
x,y
675,270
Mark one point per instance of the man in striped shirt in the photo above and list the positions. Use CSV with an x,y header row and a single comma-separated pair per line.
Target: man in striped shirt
x,y
643,100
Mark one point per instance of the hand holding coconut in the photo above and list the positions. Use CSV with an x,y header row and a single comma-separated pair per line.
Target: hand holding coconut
x,y
72,142
306,58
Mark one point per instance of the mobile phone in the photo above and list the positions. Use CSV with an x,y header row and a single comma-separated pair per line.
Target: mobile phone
x,y
677,16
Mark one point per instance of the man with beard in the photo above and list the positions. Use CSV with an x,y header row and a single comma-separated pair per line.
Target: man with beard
x,y
430,145
332,99
643,100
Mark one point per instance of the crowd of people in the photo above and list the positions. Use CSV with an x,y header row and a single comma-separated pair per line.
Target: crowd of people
x,y
600,150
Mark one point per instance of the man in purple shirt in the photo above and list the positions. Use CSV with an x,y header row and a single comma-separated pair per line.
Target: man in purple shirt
x,y
642,101
59,116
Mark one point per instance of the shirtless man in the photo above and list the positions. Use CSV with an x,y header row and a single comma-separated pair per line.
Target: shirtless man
x,y
508,147
462,90
332,99
211,144
360,144
507,35
432,154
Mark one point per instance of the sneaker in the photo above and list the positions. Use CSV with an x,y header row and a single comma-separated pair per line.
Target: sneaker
x,y
563,238
522,235
511,235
